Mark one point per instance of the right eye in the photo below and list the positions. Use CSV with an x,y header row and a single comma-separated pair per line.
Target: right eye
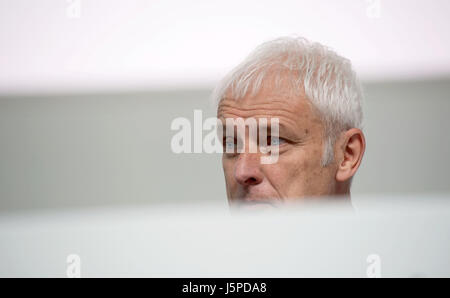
x,y
229,144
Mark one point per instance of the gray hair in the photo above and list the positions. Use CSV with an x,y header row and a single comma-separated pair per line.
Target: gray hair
x,y
326,79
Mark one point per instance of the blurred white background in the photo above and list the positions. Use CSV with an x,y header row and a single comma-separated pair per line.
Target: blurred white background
x,y
88,90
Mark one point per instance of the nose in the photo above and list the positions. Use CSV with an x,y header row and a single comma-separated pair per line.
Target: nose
x,y
247,171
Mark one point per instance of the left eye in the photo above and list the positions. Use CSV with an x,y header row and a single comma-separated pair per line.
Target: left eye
x,y
276,141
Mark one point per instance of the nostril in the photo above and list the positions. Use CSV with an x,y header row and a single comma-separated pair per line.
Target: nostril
x,y
251,181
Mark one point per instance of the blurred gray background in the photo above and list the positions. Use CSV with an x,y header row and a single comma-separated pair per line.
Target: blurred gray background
x,y
103,149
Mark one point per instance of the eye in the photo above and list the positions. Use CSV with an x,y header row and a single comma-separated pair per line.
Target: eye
x,y
229,143
275,141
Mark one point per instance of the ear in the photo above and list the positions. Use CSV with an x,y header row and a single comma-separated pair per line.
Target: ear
x,y
353,145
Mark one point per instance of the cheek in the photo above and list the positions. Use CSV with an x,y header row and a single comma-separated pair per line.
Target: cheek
x,y
302,170
313,164
228,170
318,179
288,174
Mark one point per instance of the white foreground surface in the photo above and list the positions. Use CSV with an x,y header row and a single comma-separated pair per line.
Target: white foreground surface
x,y
410,236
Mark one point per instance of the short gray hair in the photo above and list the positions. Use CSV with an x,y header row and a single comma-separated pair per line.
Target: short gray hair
x,y
327,79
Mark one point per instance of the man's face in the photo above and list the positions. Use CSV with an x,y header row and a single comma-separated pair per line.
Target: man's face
x,y
298,172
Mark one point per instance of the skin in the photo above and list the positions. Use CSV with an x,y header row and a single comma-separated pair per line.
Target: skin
x,y
298,173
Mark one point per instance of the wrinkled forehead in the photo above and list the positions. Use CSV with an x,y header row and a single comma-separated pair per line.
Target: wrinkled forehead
x,y
278,95
271,99
294,114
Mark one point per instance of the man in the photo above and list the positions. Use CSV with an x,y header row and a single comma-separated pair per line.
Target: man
x,y
316,97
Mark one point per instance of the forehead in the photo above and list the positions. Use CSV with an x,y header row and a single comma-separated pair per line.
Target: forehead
x,y
293,109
